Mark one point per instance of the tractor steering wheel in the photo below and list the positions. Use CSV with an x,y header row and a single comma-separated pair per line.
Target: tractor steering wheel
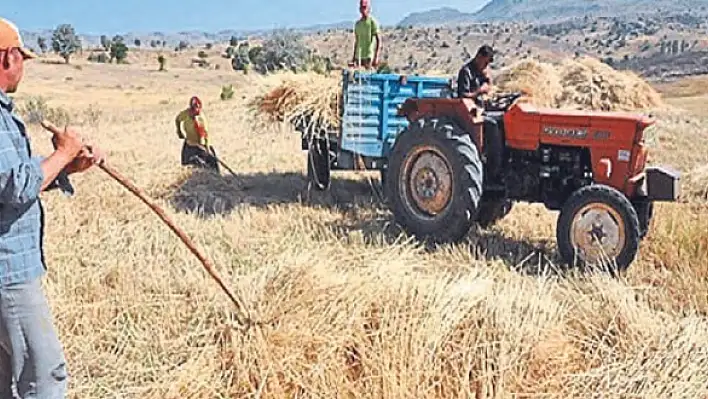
x,y
502,102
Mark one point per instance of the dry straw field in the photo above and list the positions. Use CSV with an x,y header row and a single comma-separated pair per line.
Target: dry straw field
x,y
353,308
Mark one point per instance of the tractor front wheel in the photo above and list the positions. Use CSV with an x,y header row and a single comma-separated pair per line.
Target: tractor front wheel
x,y
598,225
434,181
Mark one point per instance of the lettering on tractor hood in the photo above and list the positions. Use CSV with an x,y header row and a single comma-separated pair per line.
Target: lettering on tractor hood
x,y
565,132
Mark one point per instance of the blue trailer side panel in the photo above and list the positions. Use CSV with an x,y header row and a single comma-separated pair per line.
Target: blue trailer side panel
x,y
370,103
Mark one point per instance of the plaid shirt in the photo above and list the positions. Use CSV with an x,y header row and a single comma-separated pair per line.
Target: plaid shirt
x,y
21,214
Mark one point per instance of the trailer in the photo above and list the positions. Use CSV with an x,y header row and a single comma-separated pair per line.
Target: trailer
x,y
369,125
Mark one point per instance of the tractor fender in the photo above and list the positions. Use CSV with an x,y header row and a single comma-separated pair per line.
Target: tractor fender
x,y
461,111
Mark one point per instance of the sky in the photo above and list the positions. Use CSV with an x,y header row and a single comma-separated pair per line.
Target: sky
x,y
144,16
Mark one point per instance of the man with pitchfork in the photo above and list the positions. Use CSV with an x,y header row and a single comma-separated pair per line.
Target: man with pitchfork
x,y
192,127
32,362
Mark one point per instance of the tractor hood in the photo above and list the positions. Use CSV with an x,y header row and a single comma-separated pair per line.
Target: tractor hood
x,y
583,117
528,125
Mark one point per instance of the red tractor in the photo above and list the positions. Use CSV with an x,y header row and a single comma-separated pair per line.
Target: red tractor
x,y
456,164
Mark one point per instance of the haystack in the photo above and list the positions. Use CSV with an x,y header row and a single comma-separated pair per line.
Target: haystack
x,y
539,81
589,83
308,101
584,83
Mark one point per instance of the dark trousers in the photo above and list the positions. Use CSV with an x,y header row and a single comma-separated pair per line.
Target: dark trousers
x,y
197,156
494,143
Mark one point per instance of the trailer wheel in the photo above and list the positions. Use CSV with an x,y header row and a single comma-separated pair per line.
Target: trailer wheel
x,y
318,163
598,214
492,211
434,181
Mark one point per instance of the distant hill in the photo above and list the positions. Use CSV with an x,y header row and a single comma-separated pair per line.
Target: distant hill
x,y
545,11
542,10
438,16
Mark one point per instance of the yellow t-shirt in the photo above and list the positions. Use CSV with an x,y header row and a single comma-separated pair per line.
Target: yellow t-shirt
x,y
185,123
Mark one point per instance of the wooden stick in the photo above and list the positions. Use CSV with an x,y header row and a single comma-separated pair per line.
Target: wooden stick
x,y
242,314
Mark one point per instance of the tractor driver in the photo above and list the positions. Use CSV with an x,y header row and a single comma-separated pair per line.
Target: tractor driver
x,y
474,78
473,81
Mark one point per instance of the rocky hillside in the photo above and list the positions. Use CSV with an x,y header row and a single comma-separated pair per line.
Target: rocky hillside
x,y
439,16
544,11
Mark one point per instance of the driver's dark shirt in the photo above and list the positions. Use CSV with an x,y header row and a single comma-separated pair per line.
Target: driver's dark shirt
x,y
470,79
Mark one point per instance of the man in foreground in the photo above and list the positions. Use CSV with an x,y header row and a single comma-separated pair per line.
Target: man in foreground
x,y
32,362
366,30
474,81
192,127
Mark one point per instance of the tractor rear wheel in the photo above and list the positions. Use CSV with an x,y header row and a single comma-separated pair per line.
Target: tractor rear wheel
x,y
434,180
599,214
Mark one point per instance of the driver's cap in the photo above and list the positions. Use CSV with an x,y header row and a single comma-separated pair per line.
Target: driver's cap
x,y
10,38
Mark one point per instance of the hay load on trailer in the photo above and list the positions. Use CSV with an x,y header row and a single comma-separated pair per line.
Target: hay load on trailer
x,y
309,102
584,83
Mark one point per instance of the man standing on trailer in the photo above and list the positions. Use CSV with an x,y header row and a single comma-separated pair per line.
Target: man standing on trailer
x,y
366,30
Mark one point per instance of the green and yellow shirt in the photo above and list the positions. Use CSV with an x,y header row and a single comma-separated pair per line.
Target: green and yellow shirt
x,y
365,30
185,123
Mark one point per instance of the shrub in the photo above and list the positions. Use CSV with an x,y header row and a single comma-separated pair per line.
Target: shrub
x,y
92,115
36,109
99,57
227,92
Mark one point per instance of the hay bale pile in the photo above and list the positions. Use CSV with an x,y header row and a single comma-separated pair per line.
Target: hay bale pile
x,y
584,83
539,81
307,101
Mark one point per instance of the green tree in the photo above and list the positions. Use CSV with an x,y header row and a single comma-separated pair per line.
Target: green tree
x,y
65,42
119,51
137,42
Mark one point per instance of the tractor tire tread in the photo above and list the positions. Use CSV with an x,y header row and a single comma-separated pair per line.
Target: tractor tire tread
x,y
463,156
